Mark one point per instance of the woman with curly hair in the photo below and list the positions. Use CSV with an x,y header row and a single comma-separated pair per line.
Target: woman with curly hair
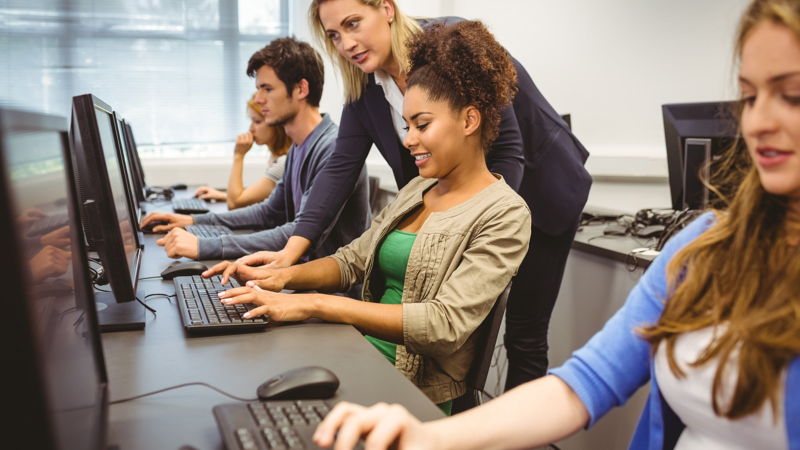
x,y
435,260
535,152
713,325
275,138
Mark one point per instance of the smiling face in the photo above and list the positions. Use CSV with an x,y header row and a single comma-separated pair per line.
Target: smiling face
x,y
360,33
441,140
277,104
263,134
770,84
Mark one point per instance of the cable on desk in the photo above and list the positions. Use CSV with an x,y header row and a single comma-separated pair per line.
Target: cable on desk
x,y
151,278
195,383
152,310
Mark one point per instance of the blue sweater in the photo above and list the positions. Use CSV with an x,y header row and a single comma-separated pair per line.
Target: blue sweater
x,y
616,362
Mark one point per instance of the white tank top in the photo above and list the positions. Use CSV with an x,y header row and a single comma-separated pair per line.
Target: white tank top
x,y
690,398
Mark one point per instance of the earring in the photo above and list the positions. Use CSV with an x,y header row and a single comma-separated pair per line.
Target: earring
x,y
391,19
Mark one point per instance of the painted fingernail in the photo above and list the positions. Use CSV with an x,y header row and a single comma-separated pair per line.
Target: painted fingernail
x,y
221,295
251,283
246,315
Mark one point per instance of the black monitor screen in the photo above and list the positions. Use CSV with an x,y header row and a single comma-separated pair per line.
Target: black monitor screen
x,y
116,180
61,310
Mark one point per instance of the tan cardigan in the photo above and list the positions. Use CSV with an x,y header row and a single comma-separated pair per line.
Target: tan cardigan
x,y
460,262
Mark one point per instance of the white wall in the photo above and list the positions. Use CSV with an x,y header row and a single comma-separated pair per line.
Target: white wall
x,y
611,64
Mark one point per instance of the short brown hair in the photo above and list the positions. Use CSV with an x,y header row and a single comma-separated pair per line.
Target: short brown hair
x,y
464,65
292,61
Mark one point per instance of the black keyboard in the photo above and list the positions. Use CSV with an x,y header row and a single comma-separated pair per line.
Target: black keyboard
x,y
209,230
189,206
274,425
203,312
48,224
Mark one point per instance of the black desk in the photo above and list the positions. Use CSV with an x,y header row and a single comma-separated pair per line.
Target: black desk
x,y
164,355
590,239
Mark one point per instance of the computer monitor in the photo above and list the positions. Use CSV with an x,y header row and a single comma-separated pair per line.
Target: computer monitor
x,y
55,379
125,160
696,134
138,171
106,210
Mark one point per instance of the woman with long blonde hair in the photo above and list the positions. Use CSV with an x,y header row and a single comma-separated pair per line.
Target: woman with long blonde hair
x,y
714,324
535,152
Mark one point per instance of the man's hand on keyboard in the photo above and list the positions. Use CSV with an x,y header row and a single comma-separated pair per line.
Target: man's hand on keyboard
x,y
180,243
280,307
173,221
383,426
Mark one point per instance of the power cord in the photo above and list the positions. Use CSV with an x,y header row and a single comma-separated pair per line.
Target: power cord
x,y
152,310
151,278
195,383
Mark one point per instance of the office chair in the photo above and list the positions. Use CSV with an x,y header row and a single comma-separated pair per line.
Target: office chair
x,y
374,196
484,348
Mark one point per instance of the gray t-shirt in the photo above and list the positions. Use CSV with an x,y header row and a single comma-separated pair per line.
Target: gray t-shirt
x,y
275,171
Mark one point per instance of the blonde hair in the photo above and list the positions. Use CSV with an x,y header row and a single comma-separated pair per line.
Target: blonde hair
x,y
742,272
353,78
282,140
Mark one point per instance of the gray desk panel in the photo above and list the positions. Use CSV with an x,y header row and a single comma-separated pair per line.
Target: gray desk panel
x,y
163,355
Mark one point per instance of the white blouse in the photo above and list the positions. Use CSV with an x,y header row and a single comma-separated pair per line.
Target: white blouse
x,y
395,99
690,398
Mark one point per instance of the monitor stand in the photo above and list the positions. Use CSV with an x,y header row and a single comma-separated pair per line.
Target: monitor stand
x,y
115,316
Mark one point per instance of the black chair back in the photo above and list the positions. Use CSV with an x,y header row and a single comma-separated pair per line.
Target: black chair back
x,y
484,349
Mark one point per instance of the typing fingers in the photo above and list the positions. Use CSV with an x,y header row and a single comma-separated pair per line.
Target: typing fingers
x,y
390,426
238,295
326,431
357,425
215,269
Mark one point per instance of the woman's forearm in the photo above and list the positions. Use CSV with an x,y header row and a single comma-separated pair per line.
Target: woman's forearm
x,y
377,320
536,413
321,275
235,183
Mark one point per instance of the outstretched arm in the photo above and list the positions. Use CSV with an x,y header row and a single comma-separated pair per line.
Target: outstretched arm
x,y
536,413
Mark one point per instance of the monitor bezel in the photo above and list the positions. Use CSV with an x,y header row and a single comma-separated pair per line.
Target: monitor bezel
x,y
27,399
106,234
124,157
719,126
139,181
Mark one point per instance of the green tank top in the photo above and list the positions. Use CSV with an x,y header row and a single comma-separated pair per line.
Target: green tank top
x,y
389,277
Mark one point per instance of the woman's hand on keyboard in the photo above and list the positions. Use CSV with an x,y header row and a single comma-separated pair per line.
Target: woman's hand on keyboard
x,y
246,268
382,425
279,307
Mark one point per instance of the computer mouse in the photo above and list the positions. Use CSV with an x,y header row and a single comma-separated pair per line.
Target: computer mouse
x,y
183,269
149,227
178,187
312,382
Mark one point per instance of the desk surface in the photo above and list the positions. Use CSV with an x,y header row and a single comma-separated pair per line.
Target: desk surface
x,y
163,355
590,239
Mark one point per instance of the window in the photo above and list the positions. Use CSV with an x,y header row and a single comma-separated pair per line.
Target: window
x,y
173,68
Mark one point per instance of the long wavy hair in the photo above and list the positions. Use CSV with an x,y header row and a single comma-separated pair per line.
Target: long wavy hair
x,y
741,274
353,78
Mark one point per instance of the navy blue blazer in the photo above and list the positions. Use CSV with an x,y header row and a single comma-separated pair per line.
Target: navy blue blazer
x,y
535,152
